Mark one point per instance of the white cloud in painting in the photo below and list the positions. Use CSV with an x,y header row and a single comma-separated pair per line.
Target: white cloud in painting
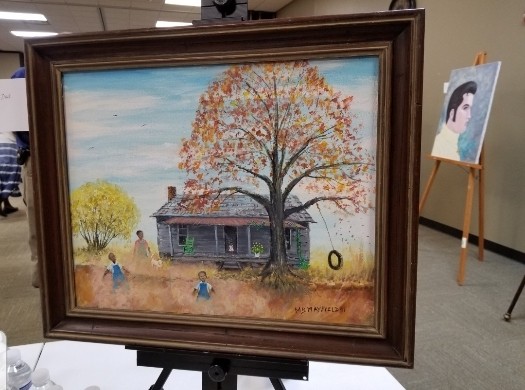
x,y
91,114
163,157
145,160
104,102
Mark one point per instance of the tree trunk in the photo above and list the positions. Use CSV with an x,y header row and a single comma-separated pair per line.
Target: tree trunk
x,y
276,269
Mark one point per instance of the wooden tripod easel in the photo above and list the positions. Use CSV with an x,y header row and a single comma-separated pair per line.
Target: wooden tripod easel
x,y
472,169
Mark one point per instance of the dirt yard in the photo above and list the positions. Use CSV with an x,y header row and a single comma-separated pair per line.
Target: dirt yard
x,y
169,288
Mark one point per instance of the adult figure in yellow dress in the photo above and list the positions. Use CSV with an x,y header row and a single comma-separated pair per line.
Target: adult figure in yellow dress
x,y
141,248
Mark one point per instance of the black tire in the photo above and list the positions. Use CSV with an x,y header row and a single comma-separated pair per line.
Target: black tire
x,y
339,260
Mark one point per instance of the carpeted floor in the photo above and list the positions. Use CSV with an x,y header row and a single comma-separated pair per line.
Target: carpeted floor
x,y
462,341
20,316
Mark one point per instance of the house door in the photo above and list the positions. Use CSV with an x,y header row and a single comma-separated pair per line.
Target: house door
x,y
230,239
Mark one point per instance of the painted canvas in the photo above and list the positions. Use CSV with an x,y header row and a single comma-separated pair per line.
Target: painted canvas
x,y
242,190
246,188
465,113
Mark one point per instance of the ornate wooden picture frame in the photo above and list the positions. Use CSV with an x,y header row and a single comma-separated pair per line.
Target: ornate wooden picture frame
x,y
248,187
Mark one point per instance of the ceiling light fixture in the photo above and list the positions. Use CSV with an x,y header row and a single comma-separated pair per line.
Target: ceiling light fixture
x,y
189,3
163,23
32,34
22,16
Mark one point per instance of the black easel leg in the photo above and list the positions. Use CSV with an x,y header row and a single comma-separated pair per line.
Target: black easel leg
x,y
277,384
514,300
163,377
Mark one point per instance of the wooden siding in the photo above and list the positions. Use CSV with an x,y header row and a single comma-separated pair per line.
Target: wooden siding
x,y
163,239
239,221
210,241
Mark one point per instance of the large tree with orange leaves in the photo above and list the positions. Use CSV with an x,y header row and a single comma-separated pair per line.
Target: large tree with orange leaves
x,y
267,131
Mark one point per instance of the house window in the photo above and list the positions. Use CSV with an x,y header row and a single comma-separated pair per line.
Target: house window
x,y
183,234
288,238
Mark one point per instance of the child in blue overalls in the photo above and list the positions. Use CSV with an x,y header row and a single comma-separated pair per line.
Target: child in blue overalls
x,y
117,270
203,289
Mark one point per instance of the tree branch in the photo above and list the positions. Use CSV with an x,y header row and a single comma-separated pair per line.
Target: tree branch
x,y
301,151
312,202
310,171
242,168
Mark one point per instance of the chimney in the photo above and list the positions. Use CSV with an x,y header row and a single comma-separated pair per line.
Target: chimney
x,y
172,193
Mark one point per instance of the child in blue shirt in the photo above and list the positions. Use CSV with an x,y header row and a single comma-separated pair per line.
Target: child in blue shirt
x,y
203,289
117,270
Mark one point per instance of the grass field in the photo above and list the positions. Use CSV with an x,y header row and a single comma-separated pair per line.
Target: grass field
x,y
321,295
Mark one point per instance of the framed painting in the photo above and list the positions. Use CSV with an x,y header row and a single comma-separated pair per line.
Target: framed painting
x,y
248,187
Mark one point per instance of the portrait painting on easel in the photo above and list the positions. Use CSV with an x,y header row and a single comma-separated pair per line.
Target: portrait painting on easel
x,y
465,113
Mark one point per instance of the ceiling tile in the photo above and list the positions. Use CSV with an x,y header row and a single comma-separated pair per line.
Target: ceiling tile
x,y
76,16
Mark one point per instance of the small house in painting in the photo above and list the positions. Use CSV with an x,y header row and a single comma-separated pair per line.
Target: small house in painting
x,y
238,230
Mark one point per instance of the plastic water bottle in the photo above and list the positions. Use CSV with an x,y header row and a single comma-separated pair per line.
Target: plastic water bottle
x,y
42,381
3,361
18,371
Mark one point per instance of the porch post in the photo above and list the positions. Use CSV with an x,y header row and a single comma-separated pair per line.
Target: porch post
x,y
171,241
216,241
249,234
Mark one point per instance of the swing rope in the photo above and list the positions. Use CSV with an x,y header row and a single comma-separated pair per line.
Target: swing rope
x,y
333,251
325,225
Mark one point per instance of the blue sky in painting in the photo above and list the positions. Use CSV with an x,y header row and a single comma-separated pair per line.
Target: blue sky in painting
x,y
125,126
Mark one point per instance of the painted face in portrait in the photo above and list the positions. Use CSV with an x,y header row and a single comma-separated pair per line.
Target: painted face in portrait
x,y
458,119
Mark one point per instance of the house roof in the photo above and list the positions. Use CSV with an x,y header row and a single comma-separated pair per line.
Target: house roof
x,y
237,206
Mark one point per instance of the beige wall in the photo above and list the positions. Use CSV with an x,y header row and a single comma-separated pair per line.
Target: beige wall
x,y
9,62
455,32
332,7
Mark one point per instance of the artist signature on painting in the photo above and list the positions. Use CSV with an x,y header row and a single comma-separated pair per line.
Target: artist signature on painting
x,y
319,309
3,96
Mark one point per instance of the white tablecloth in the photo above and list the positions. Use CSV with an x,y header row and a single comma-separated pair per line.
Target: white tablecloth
x,y
77,365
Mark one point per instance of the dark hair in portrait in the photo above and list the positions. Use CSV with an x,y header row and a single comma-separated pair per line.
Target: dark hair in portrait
x,y
457,96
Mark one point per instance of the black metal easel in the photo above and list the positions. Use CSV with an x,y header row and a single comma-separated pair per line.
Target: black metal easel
x,y
220,370
514,300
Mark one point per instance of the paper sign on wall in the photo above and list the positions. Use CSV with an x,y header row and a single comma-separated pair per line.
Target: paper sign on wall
x,y
13,105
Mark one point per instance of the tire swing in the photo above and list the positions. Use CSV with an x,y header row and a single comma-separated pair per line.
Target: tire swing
x,y
339,257
333,252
